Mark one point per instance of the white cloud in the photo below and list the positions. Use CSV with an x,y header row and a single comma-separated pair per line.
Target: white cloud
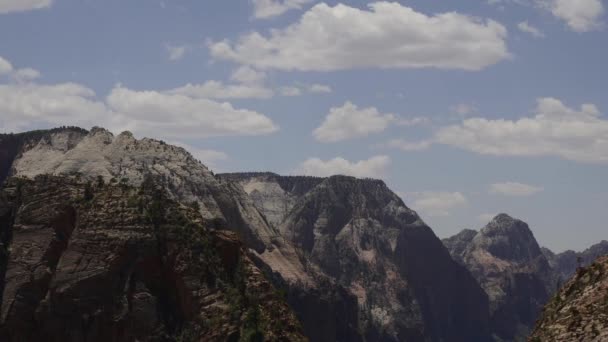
x,y
264,9
514,189
24,105
148,113
388,35
374,167
535,32
349,121
219,90
5,66
176,52
178,115
26,75
8,6
291,91
409,145
319,88
554,130
579,15
247,75
432,203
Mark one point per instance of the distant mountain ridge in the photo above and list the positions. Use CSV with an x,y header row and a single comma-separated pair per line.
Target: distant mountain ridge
x,y
518,275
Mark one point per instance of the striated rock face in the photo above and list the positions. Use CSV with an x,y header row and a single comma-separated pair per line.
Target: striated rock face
x,y
579,311
507,262
126,160
122,263
565,263
358,235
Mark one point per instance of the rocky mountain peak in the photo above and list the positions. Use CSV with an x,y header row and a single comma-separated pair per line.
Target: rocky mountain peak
x,y
508,239
361,236
507,262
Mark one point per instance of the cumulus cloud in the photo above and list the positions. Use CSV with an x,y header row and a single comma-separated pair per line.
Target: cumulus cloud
x,y
350,121
555,130
248,75
387,35
264,9
527,28
579,15
514,189
436,203
25,75
178,115
19,75
8,6
374,167
149,113
220,90
176,52
5,66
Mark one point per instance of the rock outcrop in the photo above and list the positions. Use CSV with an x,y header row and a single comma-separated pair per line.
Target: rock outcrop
x,y
579,311
359,235
110,262
507,262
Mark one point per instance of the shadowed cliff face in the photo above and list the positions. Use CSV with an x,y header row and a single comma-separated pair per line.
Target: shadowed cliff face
x,y
119,263
360,235
507,262
579,310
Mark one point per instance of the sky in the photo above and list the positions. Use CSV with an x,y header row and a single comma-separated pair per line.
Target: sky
x,y
465,108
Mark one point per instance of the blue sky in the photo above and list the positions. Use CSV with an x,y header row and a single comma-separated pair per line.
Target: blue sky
x,y
465,108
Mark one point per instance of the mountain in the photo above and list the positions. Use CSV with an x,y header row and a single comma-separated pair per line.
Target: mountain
x,y
579,311
82,261
509,265
352,261
360,235
566,263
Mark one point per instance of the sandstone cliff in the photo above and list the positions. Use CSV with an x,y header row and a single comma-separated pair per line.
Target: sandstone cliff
x,y
102,262
359,235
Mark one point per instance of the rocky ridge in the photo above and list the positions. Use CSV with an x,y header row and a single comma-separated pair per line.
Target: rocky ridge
x,y
125,159
579,311
113,262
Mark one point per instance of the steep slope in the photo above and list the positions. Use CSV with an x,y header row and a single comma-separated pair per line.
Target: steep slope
x,y
579,311
124,159
507,262
565,263
120,263
359,235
